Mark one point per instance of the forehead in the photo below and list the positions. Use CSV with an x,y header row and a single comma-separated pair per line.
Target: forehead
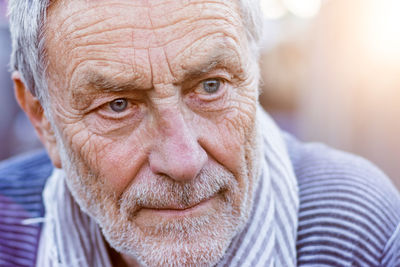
x,y
135,34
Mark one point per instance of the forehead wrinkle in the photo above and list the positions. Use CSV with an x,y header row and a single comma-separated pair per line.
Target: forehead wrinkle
x,y
204,36
132,21
200,62
226,31
215,15
221,5
157,17
73,20
177,21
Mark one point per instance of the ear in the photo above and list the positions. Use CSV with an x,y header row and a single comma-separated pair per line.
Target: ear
x,y
34,110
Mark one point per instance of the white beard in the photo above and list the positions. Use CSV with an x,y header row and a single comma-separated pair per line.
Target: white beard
x,y
190,241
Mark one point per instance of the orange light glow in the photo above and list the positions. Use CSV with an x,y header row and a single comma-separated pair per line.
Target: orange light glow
x,y
304,8
382,30
273,9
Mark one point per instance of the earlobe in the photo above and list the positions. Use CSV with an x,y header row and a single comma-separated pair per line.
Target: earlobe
x,y
34,110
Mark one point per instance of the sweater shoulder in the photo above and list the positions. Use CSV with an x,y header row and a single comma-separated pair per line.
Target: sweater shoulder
x,y
36,163
22,180
349,209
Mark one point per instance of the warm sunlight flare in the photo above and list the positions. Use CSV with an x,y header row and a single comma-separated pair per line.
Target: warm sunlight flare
x,y
304,8
273,9
382,30
276,9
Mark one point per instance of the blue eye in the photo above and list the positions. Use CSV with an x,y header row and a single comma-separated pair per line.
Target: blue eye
x,y
119,105
211,85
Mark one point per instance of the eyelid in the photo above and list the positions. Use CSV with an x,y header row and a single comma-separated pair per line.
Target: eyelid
x,y
208,97
220,73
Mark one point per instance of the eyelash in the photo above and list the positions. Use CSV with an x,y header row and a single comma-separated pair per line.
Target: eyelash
x,y
106,111
208,97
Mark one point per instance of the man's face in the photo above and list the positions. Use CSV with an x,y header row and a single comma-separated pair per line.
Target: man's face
x,y
154,106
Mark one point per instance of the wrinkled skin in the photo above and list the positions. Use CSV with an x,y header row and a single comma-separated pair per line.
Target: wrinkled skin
x,y
169,167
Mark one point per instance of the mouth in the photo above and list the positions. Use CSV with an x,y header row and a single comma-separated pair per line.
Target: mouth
x,y
175,212
179,211
168,218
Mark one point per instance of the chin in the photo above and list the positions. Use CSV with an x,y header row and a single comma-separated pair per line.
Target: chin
x,y
204,248
198,236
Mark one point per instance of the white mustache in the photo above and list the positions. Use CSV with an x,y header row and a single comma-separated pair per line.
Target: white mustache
x,y
162,192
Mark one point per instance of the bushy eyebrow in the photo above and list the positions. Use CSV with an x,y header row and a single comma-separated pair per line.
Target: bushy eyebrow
x,y
99,82
222,58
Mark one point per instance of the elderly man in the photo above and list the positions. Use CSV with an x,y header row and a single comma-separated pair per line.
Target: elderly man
x,y
162,156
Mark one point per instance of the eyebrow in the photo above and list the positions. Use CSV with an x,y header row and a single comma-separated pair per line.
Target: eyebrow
x,y
99,82
219,58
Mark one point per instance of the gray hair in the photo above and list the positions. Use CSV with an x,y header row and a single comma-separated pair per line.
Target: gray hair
x,y
27,26
27,22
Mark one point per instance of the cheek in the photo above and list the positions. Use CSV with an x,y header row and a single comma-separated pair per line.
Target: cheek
x,y
226,137
114,160
119,162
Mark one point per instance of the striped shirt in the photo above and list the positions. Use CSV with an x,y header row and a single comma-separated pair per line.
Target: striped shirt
x,y
349,211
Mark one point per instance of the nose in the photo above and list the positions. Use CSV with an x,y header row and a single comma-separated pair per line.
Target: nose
x,y
177,153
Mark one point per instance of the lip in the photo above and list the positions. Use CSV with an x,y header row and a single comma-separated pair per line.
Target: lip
x,y
178,212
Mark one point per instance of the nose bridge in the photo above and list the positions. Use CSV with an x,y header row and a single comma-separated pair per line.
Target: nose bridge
x,y
170,120
177,153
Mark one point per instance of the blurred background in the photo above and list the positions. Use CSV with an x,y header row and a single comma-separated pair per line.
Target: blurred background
x,y
16,134
330,69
